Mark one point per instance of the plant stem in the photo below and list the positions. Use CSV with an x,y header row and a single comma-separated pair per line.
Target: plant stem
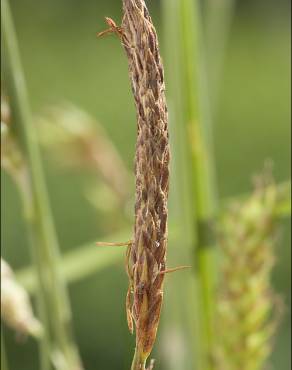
x,y
138,363
81,262
198,119
192,126
44,342
219,16
181,317
39,219
4,364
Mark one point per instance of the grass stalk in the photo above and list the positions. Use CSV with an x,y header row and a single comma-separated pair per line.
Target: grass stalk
x,y
4,364
44,342
80,262
192,123
181,320
138,363
219,16
38,214
197,116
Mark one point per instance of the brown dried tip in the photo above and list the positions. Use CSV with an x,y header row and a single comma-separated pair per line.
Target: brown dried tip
x,y
147,255
113,28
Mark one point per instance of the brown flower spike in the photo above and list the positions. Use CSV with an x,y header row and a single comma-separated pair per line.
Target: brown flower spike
x,y
146,256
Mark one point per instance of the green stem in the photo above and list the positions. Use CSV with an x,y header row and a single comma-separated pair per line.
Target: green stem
x,y
25,191
81,262
138,362
195,114
198,124
4,364
181,317
218,23
44,241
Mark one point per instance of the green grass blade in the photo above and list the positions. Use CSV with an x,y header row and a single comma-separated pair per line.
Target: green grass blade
x,y
219,15
193,155
181,318
39,219
82,261
198,120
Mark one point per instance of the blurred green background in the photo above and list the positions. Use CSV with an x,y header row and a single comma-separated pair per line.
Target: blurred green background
x,y
63,61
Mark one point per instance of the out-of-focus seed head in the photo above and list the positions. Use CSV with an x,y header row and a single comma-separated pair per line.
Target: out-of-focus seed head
x,y
247,314
77,140
16,310
12,157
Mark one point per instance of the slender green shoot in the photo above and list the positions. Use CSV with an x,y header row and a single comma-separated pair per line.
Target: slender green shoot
x,y
198,123
4,364
43,237
219,15
181,330
136,364
80,262
192,130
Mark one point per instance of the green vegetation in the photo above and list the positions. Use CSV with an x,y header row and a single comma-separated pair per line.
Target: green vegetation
x,y
228,99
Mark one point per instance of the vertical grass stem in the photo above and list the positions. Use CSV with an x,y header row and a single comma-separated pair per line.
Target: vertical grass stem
x,y
46,249
4,364
193,124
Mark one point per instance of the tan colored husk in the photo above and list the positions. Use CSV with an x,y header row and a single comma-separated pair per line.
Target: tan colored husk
x,y
147,258
16,310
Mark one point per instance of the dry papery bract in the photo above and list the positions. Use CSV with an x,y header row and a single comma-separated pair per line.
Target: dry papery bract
x,y
146,256
16,310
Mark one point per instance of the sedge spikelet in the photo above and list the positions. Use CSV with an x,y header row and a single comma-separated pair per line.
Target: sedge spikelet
x,y
146,257
247,306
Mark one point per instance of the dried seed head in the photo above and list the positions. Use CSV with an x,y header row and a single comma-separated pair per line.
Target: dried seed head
x,y
16,309
75,139
147,257
247,311
12,157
